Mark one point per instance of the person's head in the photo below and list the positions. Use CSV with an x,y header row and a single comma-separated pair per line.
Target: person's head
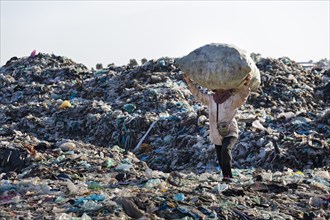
x,y
221,95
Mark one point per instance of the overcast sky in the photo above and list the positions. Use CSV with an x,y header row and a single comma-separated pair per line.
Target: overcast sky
x,y
91,32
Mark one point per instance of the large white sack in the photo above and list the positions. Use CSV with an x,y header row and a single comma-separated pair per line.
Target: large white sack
x,y
220,66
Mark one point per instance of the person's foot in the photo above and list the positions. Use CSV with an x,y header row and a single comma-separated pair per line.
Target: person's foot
x,y
227,179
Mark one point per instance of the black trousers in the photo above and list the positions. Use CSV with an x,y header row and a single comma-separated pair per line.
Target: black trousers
x,y
224,155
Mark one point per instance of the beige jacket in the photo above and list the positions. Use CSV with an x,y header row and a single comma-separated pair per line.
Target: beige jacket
x,y
226,111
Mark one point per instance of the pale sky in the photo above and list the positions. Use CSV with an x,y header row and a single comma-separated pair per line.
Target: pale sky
x,y
92,32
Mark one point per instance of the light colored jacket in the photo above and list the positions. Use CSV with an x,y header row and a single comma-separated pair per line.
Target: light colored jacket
x,y
226,111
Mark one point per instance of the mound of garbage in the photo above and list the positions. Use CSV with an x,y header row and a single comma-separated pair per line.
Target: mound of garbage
x,y
131,142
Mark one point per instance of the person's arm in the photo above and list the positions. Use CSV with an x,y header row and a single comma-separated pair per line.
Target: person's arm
x,y
242,94
199,96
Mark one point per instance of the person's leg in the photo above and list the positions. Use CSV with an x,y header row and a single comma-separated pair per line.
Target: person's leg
x,y
226,157
218,149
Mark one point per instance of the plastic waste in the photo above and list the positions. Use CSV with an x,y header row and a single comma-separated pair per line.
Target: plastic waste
x,y
71,186
267,176
219,188
65,104
129,108
179,197
174,157
152,183
123,167
94,186
286,115
110,163
33,53
258,125
92,197
90,205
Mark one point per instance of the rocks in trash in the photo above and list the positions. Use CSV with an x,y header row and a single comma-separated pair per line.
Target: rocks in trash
x,y
220,66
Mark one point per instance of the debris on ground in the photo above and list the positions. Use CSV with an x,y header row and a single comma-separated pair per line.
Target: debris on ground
x,y
130,142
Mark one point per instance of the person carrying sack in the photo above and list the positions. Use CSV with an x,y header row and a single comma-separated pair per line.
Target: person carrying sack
x,y
223,106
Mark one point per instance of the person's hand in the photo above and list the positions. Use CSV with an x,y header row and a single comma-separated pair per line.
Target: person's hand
x,y
247,80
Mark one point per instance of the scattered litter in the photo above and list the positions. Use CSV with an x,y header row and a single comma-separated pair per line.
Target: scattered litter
x,y
67,135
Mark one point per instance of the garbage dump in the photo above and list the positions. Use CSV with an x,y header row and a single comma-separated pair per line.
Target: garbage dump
x,y
128,142
220,66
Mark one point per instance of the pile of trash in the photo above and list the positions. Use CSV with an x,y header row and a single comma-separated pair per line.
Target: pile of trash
x,y
131,142
287,121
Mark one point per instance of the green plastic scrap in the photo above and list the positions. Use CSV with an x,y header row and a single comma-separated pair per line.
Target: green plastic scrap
x,y
118,149
129,108
60,158
94,186
100,72
256,200
110,163
226,204
59,199
126,161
